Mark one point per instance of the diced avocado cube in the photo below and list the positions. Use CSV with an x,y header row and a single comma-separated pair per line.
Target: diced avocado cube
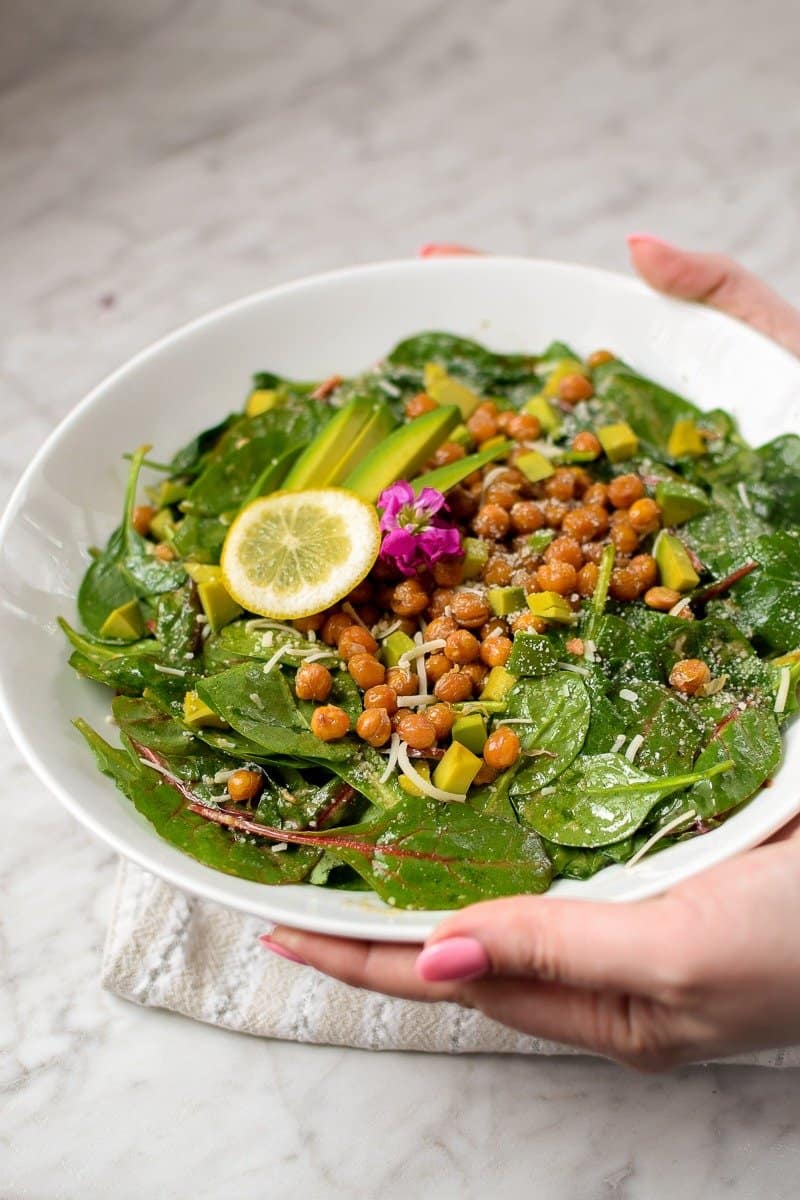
x,y
409,786
551,607
395,645
618,440
163,525
679,501
203,572
456,771
442,388
499,683
540,407
196,713
505,600
531,655
171,492
685,440
493,443
470,731
218,604
562,368
476,556
260,400
540,540
124,624
674,563
534,466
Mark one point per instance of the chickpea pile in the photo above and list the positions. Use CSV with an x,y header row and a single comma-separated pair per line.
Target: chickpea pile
x,y
503,508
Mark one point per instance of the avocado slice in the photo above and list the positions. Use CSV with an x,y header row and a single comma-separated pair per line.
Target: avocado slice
x,y
674,563
505,600
679,501
259,401
534,466
170,492
456,771
445,390
531,655
541,408
124,624
394,647
333,451
402,453
685,440
447,477
163,526
476,556
619,441
551,607
499,683
470,731
219,606
197,714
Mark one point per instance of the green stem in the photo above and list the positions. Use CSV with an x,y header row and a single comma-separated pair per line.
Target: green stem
x,y
669,784
137,459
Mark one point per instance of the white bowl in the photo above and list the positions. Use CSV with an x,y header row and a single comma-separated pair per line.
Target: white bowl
x,y
70,497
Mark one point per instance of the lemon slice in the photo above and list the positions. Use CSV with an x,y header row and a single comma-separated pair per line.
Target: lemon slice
x,y
292,554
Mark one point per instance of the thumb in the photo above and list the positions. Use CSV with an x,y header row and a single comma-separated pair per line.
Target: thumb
x,y
719,281
621,947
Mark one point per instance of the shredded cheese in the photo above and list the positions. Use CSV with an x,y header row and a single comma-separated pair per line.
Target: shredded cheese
x,y
681,819
421,782
276,658
678,608
414,701
391,761
259,703
169,670
565,666
743,496
351,612
618,744
420,649
627,694
146,762
222,776
590,650
380,634
634,746
782,695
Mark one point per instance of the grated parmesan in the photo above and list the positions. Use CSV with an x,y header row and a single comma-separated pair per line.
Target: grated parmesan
x,y
743,496
634,746
782,695
421,782
391,761
678,608
276,658
413,701
169,670
681,819
259,703
421,648
627,694
618,744
565,666
351,612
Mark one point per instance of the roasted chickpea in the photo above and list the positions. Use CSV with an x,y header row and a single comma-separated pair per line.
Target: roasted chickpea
x,y
503,419
448,572
440,627
558,577
573,388
689,676
477,673
646,568
644,515
313,682
315,622
483,422
662,599
564,549
501,749
530,623
625,490
402,681
593,551
365,670
498,571
469,609
560,485
381,696
462,647
409,598
587,579
495,627
442,717
587,443
492,521
625,584
453,686
244,784
329,722
362,593
495,651
448,452
416,730
526,516
437,665
356,640
164,552
524,427
462,503
575,646
554,512
440,601
415,406
504,494
374,726
596,493
486,775
141,518
624,537
335,626
598,357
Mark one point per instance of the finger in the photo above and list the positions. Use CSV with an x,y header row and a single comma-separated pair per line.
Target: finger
x,y
719,281
444,249
386,967
615,946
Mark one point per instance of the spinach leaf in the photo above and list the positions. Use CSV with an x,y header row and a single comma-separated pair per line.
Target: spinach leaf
x,y
751,739
100,651
649,409
189,460
766,604
726,652
721,536
467,361
777,493
176,629
672,729
167,809
556,711
602,799
623,653
200,538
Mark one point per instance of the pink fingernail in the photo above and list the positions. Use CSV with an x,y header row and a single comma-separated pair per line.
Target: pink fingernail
x,y
453,958
647,237
281,951
444,250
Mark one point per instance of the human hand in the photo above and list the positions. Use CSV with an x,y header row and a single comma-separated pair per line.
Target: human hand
x,y
711,968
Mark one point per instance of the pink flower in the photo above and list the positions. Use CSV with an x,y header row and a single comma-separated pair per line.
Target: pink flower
x,y
415,536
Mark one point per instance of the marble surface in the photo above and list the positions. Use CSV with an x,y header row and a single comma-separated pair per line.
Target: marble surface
x,y
159,159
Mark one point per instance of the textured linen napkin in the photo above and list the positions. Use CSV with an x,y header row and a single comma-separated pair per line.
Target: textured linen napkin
x,y
168,950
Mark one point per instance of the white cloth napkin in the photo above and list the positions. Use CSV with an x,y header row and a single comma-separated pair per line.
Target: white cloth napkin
x,y
169,950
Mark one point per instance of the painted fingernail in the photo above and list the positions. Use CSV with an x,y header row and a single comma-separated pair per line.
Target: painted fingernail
x,y
281,951
647,237
444,249
453,958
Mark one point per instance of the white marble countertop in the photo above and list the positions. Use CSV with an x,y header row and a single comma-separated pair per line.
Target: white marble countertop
x,y
159,159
